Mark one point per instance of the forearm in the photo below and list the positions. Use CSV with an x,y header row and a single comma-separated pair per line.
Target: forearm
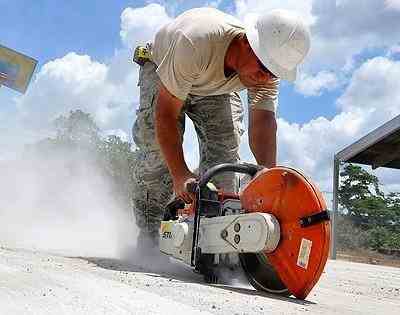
x,y
170,140
264,150
262,137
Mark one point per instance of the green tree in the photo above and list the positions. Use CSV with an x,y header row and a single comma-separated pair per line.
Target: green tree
x,y
393,203
357,185
359,193
78,127
378,237
118,161
78,143
369,217
371,211
74,132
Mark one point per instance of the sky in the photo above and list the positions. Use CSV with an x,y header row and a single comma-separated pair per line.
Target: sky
x,y
347,86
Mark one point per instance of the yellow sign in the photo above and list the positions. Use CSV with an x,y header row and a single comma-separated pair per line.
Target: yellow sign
x,y
16,69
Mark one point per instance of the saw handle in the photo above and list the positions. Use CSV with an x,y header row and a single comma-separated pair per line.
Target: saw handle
x,y
171,209
244,168
191,187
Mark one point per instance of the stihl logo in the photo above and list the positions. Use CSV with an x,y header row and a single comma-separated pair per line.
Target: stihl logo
x,y
167,234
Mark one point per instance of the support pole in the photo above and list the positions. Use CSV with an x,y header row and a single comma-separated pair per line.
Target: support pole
x,y
336,166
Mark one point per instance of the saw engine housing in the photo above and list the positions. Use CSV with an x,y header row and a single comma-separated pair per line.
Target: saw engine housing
x,y
235,233
277,225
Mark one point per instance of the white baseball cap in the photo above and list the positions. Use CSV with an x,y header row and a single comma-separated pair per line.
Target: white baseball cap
x,y
281,42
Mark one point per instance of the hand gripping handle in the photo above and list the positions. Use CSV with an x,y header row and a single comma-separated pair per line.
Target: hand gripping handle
x,y
244,168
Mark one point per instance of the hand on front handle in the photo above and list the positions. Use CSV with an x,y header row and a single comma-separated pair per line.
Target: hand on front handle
x,y
180,184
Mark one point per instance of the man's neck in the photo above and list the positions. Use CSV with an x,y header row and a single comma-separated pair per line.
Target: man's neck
x,y
231,57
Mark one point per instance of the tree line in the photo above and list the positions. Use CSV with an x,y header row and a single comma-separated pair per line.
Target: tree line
x,y
368,218
78,143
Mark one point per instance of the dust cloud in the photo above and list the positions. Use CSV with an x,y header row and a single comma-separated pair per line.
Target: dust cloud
x,y
63,204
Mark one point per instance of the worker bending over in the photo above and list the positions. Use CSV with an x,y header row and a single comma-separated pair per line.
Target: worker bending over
x,y
199,62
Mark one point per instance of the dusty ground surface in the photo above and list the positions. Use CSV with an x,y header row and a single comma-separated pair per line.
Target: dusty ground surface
x,y
39,283
369,257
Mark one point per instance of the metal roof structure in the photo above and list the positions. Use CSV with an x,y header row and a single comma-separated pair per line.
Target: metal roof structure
x,y
379,148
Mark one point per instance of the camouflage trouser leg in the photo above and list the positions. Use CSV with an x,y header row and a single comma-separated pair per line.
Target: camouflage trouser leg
x,y
217,120
152,184
218,123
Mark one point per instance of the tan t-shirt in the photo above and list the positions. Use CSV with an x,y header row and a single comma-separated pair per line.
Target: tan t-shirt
x,y
190,53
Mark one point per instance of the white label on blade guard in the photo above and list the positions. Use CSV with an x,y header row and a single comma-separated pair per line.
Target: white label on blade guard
x,y
304,253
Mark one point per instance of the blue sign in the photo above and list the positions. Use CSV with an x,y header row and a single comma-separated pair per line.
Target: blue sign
x,y
17,68
11,70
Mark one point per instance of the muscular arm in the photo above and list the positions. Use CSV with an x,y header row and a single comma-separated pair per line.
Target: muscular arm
x,y
167,111
262,136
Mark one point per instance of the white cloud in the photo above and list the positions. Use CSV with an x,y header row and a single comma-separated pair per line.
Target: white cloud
x,y
341,30
139,25
76,81
393,51
389,177
311,146
344,29
246,8
214,3
314,85
369,100
374,87
108,91
393,4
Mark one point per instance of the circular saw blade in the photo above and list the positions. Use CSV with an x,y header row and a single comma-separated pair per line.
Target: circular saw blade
x,y
261,274
298,261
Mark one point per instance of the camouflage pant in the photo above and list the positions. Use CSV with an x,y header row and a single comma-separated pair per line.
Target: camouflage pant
x,y
218,124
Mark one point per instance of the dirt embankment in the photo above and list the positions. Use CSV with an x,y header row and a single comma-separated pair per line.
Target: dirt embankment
x,y
369,257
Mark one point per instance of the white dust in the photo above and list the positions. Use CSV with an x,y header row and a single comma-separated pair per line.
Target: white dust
x,y
62,205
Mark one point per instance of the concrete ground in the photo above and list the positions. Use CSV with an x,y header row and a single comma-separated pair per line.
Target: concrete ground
x,y
39,283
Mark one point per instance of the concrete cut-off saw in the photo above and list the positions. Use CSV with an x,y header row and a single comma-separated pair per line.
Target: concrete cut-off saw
x,y
277,225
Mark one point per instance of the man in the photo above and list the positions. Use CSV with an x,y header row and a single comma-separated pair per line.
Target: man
x,y
199,62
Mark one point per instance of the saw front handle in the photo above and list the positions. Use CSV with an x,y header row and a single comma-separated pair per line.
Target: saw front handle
x,y
249,169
